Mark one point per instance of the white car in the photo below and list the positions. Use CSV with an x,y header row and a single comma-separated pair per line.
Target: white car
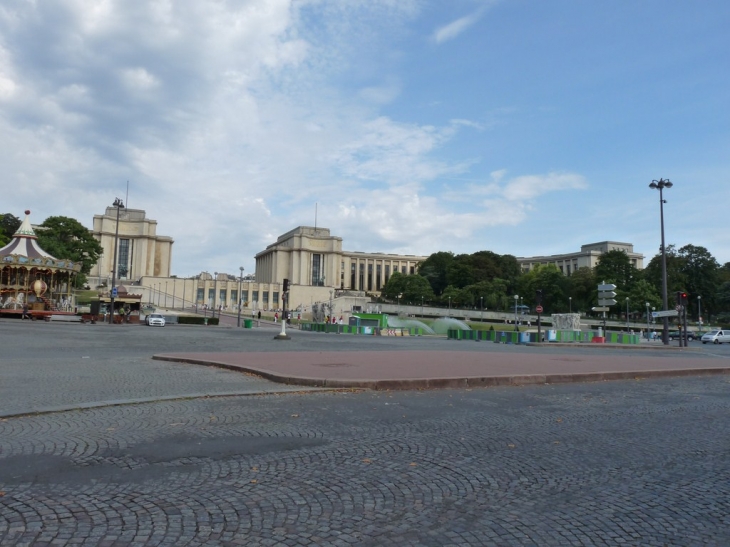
x,y
155,320
716,337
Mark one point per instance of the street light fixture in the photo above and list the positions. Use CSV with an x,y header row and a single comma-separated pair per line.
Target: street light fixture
x,y
660,185
647,319
627,314
517,297
240,297
119,204
481,307
449,306
570,304
215,291
421,306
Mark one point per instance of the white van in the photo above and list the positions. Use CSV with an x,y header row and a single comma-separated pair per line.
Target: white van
x,y
716,337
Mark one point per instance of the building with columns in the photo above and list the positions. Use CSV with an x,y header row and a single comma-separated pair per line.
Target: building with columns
x,y
312,257
140,251
587,257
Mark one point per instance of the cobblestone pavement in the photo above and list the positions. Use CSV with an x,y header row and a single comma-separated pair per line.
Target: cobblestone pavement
x,y
616,463
619,463
46,367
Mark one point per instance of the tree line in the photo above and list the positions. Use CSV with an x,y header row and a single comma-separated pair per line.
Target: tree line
x,y
487,280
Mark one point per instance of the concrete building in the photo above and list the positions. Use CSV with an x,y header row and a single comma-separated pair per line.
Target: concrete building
x,y
586,258
140,251
313,257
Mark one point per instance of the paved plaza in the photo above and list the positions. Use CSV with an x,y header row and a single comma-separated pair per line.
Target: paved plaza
x,y
101,445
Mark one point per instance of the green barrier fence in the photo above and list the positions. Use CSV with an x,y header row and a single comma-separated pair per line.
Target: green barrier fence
x,y
549,335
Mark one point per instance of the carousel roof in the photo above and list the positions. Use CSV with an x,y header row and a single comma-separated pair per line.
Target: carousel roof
x,y
25,243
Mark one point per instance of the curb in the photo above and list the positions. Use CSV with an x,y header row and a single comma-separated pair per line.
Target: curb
x,y
143,400
445,383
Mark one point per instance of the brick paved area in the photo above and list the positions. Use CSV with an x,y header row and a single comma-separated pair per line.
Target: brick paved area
x,y
617,463
607,463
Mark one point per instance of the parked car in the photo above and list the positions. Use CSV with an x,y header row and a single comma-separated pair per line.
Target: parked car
x,y
675,335
155,320
717,337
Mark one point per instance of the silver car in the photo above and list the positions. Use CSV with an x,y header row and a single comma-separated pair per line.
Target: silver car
x,y
716,337
155,320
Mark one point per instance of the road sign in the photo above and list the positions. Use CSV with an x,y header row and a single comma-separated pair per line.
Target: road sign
x,y
667,313
599,308
606,287
114,292
606,294
538,309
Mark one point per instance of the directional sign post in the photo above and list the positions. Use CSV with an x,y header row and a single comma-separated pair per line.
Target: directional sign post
x,y
606,294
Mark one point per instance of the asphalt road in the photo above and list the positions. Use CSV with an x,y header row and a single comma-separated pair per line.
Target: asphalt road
x,y
614,463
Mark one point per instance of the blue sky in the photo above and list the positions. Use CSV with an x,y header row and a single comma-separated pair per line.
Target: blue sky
x,y
413,126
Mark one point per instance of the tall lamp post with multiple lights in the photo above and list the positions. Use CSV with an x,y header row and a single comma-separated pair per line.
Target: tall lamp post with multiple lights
x,y
240,298
660,185
119,204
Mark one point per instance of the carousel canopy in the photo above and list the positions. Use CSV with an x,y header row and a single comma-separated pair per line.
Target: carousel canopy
x,y
24,242
23,249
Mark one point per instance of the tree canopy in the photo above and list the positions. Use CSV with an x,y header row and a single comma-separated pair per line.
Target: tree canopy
x,y
9,224
65,237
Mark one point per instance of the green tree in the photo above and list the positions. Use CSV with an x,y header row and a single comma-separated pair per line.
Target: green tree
x,y
461,272
582,290
723,297
9,224
551,281
407,288
615,267
676,280
702,277
434,269
67,238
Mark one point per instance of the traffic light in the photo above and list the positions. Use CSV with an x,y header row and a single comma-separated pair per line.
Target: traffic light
x,y
683,298
286,285
538,296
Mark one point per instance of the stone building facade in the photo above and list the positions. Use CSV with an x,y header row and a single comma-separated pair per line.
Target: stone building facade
x,y
140,250
587,257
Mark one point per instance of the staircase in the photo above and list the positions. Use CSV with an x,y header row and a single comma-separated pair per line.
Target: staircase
x,y
49,305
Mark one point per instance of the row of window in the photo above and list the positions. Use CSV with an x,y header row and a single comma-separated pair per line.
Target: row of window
x,y
225,296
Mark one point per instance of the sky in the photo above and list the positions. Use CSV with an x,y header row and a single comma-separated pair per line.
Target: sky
x,y
522,127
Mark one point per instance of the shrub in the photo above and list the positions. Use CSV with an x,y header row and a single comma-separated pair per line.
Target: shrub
x,y
196,320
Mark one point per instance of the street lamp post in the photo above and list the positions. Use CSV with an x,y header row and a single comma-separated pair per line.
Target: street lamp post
x,y
627,314
570,304
449,306
119,204
517,297
240,299
421,306
165,294
481,308
660,185
647,319
699,312
522,308
215,291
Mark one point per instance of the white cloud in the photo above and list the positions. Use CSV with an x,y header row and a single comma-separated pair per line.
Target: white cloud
x,y
455,28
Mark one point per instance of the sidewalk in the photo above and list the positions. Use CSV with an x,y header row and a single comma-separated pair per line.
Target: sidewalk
x,y
439,369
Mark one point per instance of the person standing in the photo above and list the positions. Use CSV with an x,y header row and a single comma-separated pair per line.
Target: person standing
x,y
25,311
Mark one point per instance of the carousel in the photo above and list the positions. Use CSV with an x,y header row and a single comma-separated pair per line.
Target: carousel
x,y
30,277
